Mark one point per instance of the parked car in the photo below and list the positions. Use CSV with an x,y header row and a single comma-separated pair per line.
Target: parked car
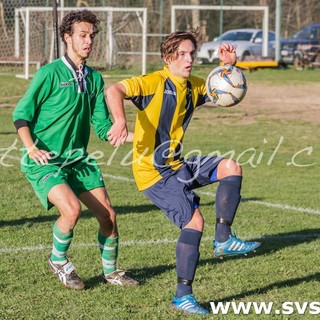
x,y
248,42
304,42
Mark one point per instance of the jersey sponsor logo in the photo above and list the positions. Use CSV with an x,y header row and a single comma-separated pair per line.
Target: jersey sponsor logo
x,y
167,91
65,84
47,176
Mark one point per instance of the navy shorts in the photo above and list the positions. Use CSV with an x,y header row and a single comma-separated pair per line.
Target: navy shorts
x,y
174,193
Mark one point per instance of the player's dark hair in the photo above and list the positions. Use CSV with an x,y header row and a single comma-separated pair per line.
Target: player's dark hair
x,y
170,44
77,16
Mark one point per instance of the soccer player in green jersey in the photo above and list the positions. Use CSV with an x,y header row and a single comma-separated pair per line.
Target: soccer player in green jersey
x,y
166,100
53,121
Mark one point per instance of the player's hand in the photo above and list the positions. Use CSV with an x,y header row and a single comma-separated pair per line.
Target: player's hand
x,y
118,134
227,53
40,157
130,137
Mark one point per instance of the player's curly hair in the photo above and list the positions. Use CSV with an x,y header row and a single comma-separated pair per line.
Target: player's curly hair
x,y
77,16
170,44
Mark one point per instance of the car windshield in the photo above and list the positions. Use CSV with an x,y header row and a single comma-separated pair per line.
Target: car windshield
x,y
303,34
236,36
307,33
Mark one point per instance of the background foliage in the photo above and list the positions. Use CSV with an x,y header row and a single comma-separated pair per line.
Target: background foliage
x,y
295,13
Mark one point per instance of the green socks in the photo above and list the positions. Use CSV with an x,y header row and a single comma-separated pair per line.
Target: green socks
x,y
61,244
109,253
108,249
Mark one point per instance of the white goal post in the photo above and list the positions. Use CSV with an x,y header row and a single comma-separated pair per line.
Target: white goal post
x,y
265,23
123,36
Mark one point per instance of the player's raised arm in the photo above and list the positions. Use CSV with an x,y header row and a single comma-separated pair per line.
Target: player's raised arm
x,y
227,54
118,133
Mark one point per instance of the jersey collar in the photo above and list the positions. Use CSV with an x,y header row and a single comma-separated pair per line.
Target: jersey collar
x,y
176,79
78,73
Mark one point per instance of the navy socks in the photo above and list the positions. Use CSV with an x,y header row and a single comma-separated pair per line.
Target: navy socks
x,y
227,201
187,256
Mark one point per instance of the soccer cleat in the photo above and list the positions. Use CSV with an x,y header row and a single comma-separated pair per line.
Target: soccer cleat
x,y
188,304
233,246
118,277
67,275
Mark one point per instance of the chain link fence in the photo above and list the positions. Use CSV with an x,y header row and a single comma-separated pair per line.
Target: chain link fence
x,y
295,13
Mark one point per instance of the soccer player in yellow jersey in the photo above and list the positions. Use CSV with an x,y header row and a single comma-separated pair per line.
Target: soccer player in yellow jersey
x,y
166,100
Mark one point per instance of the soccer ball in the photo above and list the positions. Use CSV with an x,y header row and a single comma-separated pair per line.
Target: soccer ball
x,y
226,85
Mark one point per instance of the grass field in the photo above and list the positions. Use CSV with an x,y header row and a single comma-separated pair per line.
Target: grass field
x,y
280,208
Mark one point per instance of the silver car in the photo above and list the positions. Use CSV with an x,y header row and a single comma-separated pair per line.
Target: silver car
x,y
248,42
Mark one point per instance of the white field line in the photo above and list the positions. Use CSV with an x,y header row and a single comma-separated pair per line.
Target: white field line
x,y
135,243
168,241
211,194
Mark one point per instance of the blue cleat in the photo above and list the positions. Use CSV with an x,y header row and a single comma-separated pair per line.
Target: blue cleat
x,y
188,304
233,246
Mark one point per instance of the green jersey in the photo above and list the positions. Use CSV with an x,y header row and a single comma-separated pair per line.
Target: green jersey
x,y
59,111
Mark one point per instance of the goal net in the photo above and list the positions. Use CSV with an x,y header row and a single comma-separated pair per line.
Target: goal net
x,y
120,44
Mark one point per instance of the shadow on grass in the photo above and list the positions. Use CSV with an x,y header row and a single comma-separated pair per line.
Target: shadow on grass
x,y
85,214
273,244
277,285
142,275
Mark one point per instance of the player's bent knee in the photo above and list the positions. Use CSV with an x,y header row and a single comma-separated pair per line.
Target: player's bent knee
x,y
71,212
229,167
108,224
236,168
197,221
106,217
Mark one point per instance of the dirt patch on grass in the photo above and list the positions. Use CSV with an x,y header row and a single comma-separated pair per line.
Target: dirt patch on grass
x,y
284,102
298,102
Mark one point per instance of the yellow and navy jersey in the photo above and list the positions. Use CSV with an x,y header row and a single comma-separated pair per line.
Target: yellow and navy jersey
x,y
166,104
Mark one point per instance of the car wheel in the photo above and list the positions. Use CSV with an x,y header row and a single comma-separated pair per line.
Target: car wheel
x,y
298,63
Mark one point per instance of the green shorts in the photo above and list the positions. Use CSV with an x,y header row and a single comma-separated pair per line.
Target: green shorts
x,y
81,176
